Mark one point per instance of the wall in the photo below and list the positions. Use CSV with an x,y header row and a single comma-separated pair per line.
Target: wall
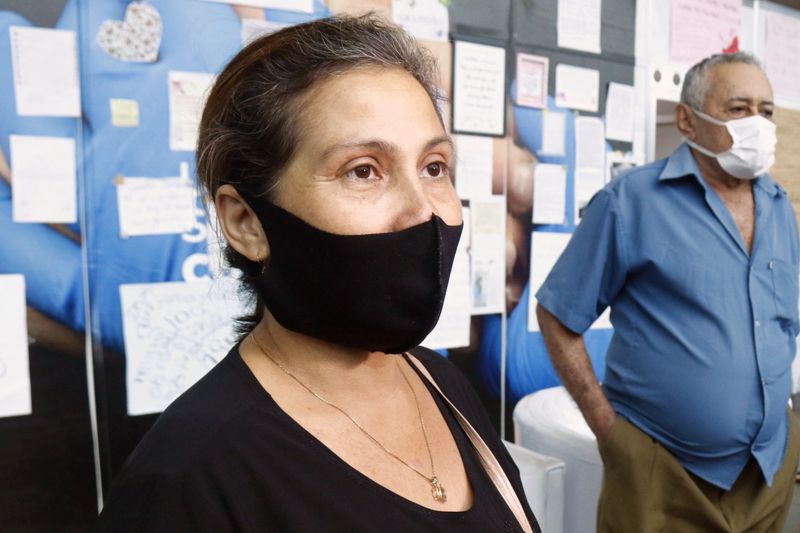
x,y
108,343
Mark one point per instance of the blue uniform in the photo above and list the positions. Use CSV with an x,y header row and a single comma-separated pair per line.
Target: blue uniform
x,y
704,332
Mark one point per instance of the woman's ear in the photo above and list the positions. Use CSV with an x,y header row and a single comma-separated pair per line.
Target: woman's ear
x,y
240,225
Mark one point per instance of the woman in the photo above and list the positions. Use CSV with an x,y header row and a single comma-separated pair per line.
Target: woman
x,y
329,166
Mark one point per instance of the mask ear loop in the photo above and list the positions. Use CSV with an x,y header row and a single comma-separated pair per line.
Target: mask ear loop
x,y
712,120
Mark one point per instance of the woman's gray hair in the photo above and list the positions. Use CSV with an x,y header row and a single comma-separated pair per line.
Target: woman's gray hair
x,y
695,83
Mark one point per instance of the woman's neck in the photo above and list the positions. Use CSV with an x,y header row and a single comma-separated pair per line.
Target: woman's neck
x,y
327,368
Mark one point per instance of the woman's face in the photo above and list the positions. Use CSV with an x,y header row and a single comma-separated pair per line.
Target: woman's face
x,y
372,156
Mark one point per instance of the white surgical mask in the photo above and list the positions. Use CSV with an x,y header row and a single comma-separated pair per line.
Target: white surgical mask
x,y
753,150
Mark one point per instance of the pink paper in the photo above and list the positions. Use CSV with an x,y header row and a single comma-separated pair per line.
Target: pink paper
x,y
700,28
780,54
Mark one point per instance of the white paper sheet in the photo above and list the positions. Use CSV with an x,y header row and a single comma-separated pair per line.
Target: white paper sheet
x,y
174,333
620,105
479,88
590,144
590,161
579,24
301,6
532,75
487,253
424,19
15,380
252,29
700,28
45,64
553,133
452,330
577,87
43,178
187,95
549,194
546,248
155,206
587,182
475,166
781,51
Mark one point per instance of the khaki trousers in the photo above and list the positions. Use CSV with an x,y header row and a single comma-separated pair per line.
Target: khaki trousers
x,y
645,489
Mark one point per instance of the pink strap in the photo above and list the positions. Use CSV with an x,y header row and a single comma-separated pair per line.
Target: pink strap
x,y
487,458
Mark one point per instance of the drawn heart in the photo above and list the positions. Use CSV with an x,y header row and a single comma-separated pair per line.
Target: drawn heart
x,y
135,39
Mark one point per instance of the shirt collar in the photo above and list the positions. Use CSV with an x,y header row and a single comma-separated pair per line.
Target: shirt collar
x,y
681,164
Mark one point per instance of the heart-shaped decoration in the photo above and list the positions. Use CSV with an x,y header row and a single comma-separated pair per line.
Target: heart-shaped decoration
x,y
135,39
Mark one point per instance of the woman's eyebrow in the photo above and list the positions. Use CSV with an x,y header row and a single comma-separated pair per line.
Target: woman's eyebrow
x,y
382,146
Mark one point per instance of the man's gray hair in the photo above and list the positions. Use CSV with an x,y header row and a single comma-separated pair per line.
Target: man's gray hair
x,y
695,83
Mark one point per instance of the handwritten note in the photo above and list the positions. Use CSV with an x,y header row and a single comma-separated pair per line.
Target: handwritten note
x,y
187,95
475,163
577,87
15,381
579,24
424,19
549,194
174,333
452,330
532,75
781,52
699,28
479,88
45,64
155,206
43,177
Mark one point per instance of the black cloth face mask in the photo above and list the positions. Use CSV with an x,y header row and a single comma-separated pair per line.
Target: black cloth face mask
x,y
380,292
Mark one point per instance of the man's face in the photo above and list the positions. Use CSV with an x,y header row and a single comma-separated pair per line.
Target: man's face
x,y
735,90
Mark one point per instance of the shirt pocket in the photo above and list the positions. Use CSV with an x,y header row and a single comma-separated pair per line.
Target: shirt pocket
x,y
785,293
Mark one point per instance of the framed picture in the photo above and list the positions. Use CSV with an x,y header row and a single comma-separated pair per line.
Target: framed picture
x,y
532,74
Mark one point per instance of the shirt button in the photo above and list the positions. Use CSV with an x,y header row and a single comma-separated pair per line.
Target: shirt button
x,y
758,323
771,265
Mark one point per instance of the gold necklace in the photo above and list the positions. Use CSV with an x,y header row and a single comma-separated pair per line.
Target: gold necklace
x,y
437,490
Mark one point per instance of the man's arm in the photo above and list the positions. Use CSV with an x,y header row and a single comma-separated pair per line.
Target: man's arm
x,y
568,353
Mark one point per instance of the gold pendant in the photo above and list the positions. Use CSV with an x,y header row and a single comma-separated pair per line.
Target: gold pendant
x,y
439,494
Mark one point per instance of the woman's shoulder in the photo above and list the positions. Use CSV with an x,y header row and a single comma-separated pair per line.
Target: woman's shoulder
x,y
200,420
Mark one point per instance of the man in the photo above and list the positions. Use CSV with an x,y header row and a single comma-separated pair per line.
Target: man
x,y
697,255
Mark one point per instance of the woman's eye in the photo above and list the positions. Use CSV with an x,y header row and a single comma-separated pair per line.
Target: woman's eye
x,y
435,170
361,172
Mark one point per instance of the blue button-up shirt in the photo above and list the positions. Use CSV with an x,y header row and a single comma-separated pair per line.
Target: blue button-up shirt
x,y
704,332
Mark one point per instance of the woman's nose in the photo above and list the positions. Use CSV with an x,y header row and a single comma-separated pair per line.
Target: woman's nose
x,y
414,205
